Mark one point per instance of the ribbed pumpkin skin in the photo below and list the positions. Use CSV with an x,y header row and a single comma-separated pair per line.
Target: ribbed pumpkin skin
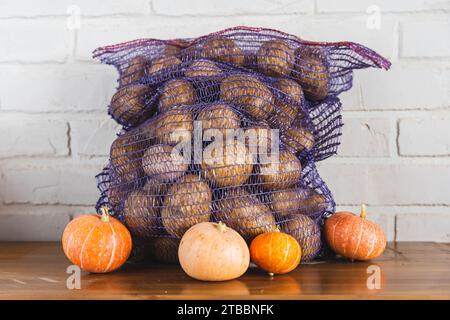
x,y
354,237
95,245
275,252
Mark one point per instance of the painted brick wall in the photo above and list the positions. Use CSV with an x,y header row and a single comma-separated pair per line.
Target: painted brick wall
x,y
55,134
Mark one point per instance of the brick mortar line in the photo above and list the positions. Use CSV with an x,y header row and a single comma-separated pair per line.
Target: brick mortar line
x,y
398,206
337,15
413,160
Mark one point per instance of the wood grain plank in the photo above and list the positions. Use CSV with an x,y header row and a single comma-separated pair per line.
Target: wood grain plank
x,y
409,271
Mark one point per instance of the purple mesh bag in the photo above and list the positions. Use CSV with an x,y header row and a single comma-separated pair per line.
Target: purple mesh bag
x,y
156,192
226,127
322,69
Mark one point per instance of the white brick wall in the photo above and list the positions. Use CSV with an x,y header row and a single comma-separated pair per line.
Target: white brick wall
x,y
424,136
55,133
24,135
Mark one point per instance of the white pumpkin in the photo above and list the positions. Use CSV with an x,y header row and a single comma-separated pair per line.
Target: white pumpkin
x,y
213,252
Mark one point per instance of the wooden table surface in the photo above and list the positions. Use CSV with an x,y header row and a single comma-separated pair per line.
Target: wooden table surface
x,y
408,271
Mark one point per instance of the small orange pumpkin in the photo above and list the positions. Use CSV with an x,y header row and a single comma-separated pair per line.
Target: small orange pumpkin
x,y
97,243
275,252
354,237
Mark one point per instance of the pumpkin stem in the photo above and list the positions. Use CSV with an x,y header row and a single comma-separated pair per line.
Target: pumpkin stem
x,y
221,226
105,214
363,211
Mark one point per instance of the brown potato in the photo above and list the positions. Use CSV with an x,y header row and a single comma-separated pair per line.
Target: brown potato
x,y
202,68
125,157
165,250
140,252
154,187
171,50
163,164
164,63
128,104
311,71
297,201
174,126
134,71
148,130
219,116
297,137
282,174
117,191
230,167
249,93
306,231
223,49
275,58
286,110
258,138
176,92
245,213
187,202
141,214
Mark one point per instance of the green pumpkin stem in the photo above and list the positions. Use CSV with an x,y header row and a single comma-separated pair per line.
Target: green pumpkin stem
x,y
105,214
363,211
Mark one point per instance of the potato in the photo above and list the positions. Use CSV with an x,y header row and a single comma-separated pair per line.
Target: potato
x,y
275,58
161,64
297,137
141,214
281,174
230,167
176,92
154,187
287,109
117,191
165,250
245,213
140,252
147,130
297,201
219,116
171,50
174,126
134,71
163,164
249,93
224,50
129,104
311,71
187,202
202,68
258,138
125,157
306,231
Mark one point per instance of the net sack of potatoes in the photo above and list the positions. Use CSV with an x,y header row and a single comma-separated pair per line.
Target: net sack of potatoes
x,y
226,127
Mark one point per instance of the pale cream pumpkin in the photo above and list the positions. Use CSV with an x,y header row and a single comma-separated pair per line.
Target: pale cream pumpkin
x,y
213,252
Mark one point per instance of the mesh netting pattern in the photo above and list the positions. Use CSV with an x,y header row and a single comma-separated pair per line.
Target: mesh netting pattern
x,y
226,127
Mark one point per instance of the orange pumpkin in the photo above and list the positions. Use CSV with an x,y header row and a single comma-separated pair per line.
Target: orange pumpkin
x,y
275,252
354,237
97,243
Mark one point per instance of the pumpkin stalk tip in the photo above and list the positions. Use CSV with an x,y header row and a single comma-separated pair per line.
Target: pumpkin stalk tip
x,y
363,211
105,214
221,226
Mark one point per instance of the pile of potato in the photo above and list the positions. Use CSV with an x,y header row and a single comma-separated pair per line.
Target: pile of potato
x,y
170,92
